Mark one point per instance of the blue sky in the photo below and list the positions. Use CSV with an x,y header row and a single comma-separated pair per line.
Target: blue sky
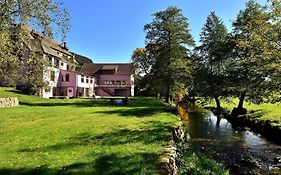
x,y
109,30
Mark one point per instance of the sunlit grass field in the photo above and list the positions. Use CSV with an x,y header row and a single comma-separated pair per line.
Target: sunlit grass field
x,y
82,136
89,136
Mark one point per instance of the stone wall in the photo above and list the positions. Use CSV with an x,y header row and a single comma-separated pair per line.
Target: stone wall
x,y
8,102
168,161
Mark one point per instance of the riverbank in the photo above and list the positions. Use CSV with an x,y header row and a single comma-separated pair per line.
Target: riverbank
x,y
239,150
264,119
192,160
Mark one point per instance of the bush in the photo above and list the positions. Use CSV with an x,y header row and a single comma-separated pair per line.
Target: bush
x,y
27,88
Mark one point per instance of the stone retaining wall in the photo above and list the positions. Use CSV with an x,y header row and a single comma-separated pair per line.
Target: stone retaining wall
x,y
168,161
8,102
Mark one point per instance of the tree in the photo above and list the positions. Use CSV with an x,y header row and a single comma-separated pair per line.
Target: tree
x,y
8,60
211,76
168,42
81,60
46,16
142,62
253,72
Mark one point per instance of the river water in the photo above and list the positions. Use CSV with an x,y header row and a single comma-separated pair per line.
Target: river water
x,y
240,150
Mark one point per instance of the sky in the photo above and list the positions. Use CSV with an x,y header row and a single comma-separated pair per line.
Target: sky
x,y
108,31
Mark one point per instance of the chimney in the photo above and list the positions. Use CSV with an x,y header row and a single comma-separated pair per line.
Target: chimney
x,y
64,45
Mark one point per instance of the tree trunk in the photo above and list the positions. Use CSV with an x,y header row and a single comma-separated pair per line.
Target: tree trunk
x,y
169,70
168,94
218,103
241,100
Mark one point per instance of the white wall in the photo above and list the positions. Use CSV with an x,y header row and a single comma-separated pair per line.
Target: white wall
x,y
132,86
51,84
64,66
86,85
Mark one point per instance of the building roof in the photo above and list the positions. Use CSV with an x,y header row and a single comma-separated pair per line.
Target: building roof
x,y
109,67
39,42
94,69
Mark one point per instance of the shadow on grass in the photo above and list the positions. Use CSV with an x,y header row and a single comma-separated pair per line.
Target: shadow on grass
x,y
153,134
105,164
84,103
16,92
138,102
135,112
57,147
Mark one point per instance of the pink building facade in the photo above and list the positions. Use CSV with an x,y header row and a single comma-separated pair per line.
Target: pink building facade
x,y
72,85
111,79
67,84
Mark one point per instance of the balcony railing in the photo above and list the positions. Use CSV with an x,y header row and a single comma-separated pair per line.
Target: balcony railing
x,y
113,86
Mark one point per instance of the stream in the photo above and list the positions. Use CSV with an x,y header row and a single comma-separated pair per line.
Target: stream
x,y
239,150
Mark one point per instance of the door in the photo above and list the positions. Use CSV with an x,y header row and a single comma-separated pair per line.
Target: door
x,y
70,92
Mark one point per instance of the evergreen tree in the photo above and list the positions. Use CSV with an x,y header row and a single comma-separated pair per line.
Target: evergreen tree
x,y
168,41
211,76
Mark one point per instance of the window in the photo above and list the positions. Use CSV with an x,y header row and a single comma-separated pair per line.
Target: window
x,y
50,60
61,64
87,80
123,82
66,77
118,82
57,62
67,67
106,82
52,75
82,79
69,90
48,89
91,81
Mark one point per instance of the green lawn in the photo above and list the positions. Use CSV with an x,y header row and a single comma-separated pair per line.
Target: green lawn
x,y
262,111
82,136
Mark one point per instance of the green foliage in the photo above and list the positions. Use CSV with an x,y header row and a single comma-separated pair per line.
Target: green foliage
x,y
82,136
214,53
8,60
195,163
41,14
81,59
142,62
46,16
168,44
256,71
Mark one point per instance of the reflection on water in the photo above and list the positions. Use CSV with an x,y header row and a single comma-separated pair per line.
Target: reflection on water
x,y
215,136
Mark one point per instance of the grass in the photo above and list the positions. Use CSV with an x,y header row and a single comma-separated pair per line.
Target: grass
x,y
82,136
264,111
191,161
89,136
